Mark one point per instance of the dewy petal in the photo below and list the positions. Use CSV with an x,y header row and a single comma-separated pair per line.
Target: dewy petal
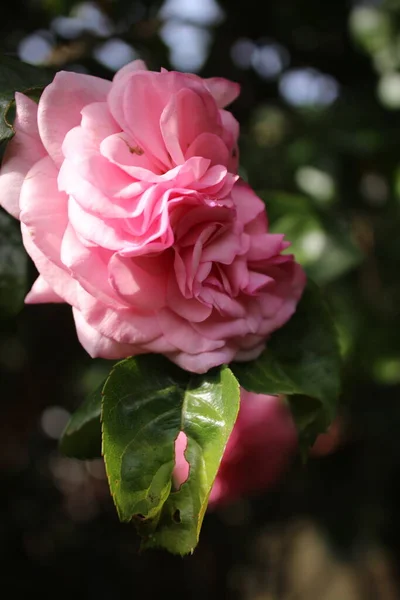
x,y
41,293
60,107
98,345
223,91
22,151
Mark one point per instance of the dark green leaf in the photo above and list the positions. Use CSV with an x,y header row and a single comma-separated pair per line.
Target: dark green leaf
x,y
147,402
301,359
13,267
82,435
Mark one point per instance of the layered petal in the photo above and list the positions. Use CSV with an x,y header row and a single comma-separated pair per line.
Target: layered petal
x,y
21,153
133,213
61,104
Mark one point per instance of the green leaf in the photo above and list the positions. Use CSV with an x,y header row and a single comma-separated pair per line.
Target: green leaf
x,y
16,76
82,435
147,401
301,361
13,267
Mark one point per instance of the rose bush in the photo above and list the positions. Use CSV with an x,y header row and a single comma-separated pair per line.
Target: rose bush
x,y
133,212
263,441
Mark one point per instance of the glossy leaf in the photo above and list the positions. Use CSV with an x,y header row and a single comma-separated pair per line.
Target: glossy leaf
x,y
147,402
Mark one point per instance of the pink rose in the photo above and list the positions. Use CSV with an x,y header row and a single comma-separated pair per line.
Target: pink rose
x,y
133,213
263,441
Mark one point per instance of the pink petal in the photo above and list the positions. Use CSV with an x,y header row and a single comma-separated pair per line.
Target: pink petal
x,y
209,145
189,308
44,209
217,328
264,246
59,280
132,67
136,104
181,334
129,157
61,104
250,353
107,234
141,281
41,293
89,196
230,137
223,90
21,153
81,150
126,326
98,122
98,345
186,116
248,205
224,249
90,267
204,361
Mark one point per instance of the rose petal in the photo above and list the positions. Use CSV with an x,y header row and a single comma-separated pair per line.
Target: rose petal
x,y
127,70
44,209
59,280
223,90
204,361
142,282
60,107
209,146
42,293
181,334
97,345
22,151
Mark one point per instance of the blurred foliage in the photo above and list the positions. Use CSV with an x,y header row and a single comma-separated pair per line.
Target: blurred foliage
x,y
320,118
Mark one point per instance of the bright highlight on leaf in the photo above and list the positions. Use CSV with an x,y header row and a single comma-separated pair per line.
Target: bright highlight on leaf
x,y
147,401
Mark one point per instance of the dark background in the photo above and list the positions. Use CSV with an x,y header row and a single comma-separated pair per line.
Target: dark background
x,y
320,118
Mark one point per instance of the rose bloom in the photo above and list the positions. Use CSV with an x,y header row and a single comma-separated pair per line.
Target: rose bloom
x,y
261,445
133,213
